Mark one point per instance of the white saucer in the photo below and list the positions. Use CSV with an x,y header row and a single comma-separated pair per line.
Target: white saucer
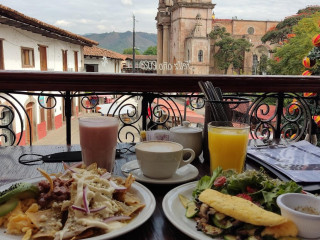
x,y
184,174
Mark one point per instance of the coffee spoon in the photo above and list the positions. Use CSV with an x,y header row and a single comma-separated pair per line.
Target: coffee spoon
x,y
130,170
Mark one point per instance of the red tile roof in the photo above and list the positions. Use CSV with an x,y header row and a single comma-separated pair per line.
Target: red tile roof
x,y
14,18
101,52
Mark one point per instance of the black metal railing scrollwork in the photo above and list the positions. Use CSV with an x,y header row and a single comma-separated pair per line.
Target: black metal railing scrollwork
x,y
273,115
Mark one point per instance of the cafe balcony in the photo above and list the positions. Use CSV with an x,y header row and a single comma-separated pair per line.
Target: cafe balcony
x,y
278,107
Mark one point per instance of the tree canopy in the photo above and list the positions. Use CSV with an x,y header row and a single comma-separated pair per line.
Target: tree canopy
x,y
152,50
231,50
130,51
289,56
284,28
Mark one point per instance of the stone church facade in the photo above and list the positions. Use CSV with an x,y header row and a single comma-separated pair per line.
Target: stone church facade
x,y
184,45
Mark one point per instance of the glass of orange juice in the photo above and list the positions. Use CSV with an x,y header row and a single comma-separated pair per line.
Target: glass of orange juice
x,y
227,144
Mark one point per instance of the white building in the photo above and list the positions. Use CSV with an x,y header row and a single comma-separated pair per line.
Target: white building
x,y
98,59
29,44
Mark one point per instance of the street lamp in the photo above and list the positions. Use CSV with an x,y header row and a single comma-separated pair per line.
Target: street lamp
x,y
133,47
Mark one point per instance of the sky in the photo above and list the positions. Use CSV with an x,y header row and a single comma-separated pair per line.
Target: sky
x,y
100,16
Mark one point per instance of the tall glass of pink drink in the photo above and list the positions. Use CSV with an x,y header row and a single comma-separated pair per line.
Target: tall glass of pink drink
x,y
98,140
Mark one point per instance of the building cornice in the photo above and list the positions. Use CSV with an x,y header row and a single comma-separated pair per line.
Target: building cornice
x,y
192,5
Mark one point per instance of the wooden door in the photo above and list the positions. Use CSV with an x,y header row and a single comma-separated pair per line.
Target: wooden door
x,y
76,61
43,58
29,129
64,60
1,55
49,114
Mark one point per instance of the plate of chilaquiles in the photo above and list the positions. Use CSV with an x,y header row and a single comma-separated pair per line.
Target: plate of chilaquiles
x,y
80,203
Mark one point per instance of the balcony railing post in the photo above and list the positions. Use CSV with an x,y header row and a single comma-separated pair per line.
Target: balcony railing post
x,y
67,111
147,99
279,115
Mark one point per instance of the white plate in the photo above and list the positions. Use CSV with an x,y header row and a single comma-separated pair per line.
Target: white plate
x,y
141,191
175,212
183,174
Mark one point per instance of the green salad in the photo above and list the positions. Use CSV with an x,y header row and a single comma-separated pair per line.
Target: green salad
x,y
255,186
252,185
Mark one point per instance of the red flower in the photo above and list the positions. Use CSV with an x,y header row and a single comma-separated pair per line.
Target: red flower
x,y
309,94
291,35
308,63
316,40
307,73
293,107
316,118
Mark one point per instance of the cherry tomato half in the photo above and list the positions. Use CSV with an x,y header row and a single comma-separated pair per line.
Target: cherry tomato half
x,y
220,181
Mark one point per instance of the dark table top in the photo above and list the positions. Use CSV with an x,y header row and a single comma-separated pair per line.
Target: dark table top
x,y
157,227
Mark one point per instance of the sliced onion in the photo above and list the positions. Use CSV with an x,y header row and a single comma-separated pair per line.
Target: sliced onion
x,y
91,210
116,218
106,175
78,208
66,166
75,165
117,187
85,200
97,209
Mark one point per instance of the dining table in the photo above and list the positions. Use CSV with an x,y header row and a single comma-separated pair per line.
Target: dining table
x,y
157,227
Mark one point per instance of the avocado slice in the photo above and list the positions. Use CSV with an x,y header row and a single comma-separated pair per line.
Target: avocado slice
x,y
221,221
229,237
184,200
192,210
19,191
253,238
8,206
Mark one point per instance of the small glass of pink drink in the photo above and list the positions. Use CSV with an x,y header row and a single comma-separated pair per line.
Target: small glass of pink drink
x,y
98,140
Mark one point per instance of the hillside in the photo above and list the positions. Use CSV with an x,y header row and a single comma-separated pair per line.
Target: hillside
x,y
117,42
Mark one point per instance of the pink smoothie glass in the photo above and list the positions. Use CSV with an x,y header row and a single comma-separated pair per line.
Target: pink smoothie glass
x,y
98,140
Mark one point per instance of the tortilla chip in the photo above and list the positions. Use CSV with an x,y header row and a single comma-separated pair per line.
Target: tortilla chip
x,y
240,209
287,229
128,210
47,221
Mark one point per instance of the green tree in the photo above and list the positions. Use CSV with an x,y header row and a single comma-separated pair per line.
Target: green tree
x,y
129,51
152,50
231,50
288,57
284,28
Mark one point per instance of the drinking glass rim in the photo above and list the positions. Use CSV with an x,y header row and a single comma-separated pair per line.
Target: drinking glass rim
x,y
224,124
99,121
97,118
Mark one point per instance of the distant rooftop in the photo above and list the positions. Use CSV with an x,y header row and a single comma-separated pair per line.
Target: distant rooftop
x,y
101,52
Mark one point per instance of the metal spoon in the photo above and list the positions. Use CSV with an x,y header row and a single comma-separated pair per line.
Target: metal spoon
x,y
130,170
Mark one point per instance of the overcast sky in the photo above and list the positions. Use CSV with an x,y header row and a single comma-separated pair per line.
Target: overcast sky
x,y
99,16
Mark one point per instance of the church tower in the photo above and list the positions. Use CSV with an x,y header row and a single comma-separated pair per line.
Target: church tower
x,y
183,41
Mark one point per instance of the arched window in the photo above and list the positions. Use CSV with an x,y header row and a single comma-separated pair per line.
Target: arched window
x,y
250,30
200,56
188,55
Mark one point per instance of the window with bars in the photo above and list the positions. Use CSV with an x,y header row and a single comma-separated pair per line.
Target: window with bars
x,y
200,56
27,57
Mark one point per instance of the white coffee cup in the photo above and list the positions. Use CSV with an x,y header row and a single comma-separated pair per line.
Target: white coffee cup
x,y
161,159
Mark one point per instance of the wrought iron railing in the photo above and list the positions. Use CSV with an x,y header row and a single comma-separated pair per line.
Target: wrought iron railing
x,y
277,107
